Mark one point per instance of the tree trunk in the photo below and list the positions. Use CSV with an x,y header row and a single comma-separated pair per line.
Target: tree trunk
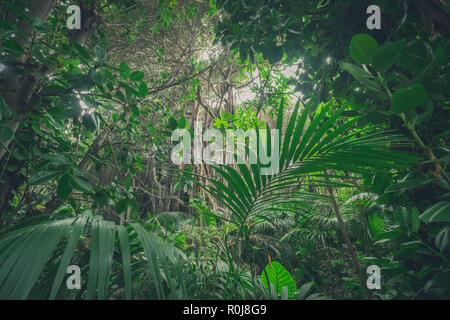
x,y
347,239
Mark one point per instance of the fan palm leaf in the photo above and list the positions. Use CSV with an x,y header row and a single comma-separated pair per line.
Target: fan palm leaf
x,y
25,253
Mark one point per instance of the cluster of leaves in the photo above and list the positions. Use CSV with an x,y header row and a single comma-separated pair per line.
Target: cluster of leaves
x,y
398,80
395,68
372,129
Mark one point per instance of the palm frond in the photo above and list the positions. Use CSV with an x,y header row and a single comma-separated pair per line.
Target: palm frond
x,y
26,253
309,149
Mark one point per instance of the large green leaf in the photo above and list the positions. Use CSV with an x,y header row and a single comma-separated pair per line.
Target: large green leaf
x,y
64,188
278,277
407,184
363,48
407,99
137,76
143,90
440,284
26,252
439,212
21,267
80,183
387,55
68,252
124,70
56,158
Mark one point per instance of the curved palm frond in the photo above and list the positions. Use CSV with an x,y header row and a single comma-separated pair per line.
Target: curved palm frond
x,y
26,254
308,149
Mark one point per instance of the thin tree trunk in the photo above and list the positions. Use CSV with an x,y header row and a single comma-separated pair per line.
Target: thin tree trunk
x,y
347,240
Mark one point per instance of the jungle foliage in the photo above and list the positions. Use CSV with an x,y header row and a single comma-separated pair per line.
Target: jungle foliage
x,y
86,177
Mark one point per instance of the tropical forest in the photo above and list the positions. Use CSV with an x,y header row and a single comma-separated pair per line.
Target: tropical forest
x,y
224,150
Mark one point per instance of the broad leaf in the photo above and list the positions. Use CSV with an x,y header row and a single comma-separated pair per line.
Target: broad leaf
x,y
439,212
409,98
363,48
124,70
279,277
387,55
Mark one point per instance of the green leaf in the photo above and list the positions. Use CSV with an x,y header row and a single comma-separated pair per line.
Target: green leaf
x,y
409,98
363,48
137,76
279,277
56,158
362,76
25,254
91,121
78,226
82,51
43,176
173,124
439,212
121,205
64,188
126,259
415,57
93,260
54,90
408,184
100,54
6,113
143,90
273,53
32,261
106,237
124,70
401,216
152,259
415,221
440,284
97,77
13,47
181,123
80,183
443,238
305,290
73,112
387,55
5,133
407,218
